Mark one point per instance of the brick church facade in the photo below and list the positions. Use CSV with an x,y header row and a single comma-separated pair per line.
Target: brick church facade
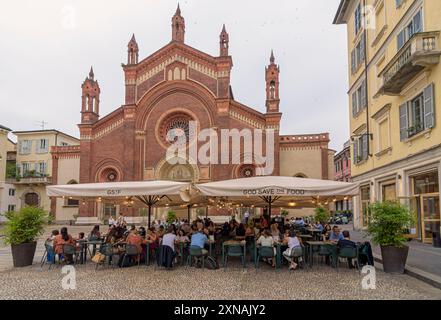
x,y
166,90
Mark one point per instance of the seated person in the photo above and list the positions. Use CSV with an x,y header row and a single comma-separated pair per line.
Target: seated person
x,y
240,231
300,222
95,233
50,240
142,232
275,232
266,240
335,235
318,226
198,239
182,237
294,243
136,240
169,239
160,232
347,243
60,240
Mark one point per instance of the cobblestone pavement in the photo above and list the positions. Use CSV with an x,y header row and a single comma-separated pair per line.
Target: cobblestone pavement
x,y
321,282
190,283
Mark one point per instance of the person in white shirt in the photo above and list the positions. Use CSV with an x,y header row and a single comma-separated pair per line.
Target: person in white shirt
x,y
112,221
294,245
169,238
266,240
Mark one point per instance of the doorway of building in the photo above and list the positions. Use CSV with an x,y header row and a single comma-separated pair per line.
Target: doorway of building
x,y
426,202
430,210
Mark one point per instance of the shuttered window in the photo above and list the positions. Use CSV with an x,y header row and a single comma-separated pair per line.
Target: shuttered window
x,y
418,114
359,99
414,26
360,148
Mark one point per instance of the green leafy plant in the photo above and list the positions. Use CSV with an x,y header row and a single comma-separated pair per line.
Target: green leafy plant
x,y
25,225
321,214
171,216
284,213
389,223
11,170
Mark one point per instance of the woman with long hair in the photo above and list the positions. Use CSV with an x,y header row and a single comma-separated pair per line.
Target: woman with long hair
x,y
60,240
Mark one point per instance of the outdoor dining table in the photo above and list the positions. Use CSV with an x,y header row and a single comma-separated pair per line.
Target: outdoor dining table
x,y
312,244
315,233
84,247
232,243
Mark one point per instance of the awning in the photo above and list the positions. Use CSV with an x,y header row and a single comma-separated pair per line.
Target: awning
x,y
118,189
276,186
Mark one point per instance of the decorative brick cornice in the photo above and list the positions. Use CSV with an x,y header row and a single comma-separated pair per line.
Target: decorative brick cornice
x,y
105,131
65,152
288,142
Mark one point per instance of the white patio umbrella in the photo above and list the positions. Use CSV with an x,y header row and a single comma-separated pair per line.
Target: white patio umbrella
x,y
276,188
148,192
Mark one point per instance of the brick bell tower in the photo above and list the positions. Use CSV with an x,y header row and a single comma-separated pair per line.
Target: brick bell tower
x,y
132,51
273,115
90,100
178,26
224,42
272,86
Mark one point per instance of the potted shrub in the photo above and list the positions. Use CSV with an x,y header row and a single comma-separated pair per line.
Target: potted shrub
x,y
21,231
387,227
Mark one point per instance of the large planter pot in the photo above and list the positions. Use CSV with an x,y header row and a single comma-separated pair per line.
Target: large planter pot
x,y
23,254
394,258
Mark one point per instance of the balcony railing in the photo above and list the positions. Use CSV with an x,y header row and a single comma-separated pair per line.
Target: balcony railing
x,y
30,180
420,52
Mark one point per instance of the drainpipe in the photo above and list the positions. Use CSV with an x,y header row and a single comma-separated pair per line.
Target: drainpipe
x,y
366,77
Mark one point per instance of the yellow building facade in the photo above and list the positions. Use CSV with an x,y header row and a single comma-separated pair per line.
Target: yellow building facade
x,y
34,168
395,113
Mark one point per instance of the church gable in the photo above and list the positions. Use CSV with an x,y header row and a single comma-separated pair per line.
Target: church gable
x,y
174,63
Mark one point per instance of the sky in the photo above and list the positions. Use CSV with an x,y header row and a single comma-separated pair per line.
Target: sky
x,y
47,48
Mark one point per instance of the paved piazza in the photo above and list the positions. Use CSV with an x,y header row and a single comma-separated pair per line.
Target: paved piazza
x,y
190,283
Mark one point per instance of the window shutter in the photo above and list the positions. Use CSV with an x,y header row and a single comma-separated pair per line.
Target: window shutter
x,y
363,95
353,61
429,107
354,104
37,146
400,40
404,134
417,23
355,151
364,146
362,47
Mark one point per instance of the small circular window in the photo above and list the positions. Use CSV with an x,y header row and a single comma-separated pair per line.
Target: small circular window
x,y
247,171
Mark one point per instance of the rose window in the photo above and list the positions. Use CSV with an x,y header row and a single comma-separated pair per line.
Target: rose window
x,y
247,172
175,128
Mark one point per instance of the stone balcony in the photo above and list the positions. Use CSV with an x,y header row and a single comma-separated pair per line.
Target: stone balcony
x,y
31,180
420,52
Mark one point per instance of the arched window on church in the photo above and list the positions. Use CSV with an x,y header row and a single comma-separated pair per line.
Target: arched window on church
x,y
273,90
69,202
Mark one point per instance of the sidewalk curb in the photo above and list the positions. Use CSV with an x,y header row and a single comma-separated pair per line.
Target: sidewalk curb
x,y
419,274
